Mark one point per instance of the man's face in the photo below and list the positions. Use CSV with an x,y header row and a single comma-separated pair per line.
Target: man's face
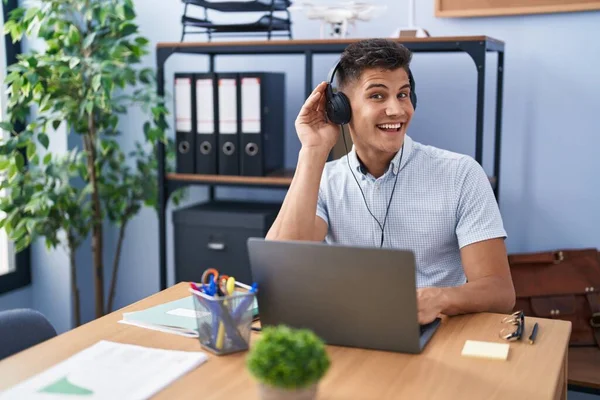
x,y
381,109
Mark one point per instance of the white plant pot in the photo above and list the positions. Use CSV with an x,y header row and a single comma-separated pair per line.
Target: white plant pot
x,y
267,392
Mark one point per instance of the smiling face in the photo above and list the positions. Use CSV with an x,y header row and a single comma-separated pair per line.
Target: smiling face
x,y
381,111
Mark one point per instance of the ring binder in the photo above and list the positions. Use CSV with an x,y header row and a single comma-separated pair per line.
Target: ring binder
x,y
262,125
184,122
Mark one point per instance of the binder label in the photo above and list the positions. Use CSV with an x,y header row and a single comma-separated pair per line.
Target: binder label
x,y
250,105
205,106
227,106
183,104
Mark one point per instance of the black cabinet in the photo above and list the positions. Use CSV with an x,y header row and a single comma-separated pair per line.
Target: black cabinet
x,y
214,235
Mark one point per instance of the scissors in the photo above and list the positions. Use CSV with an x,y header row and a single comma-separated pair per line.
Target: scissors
x,y
220,280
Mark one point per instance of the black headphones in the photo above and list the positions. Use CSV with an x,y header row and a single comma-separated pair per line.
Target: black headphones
x,y
338,106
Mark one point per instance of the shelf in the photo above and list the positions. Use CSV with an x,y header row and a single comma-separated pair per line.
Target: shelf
x,y
281,178
433,44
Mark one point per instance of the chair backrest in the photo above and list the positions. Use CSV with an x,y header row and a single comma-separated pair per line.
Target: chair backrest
x,y
21,329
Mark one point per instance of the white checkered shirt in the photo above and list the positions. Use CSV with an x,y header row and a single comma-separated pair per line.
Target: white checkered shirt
x,y
442,202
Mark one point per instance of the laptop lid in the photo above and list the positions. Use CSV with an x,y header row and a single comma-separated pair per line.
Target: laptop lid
x,y
349,296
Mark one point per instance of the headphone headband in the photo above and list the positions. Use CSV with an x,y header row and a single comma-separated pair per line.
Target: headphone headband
x,y
411,81
333,71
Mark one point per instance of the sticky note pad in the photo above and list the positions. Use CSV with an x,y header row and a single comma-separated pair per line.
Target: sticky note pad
x,y
493,351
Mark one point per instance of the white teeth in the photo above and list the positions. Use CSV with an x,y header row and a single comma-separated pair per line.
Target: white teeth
x,y
390,126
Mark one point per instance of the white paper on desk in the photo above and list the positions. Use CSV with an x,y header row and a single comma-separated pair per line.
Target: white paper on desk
x,y
167,329
109,370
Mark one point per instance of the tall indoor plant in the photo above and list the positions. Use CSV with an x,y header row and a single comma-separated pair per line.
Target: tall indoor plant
x,y
87,75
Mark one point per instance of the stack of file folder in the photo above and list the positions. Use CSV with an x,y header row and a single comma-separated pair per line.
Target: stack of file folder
x,y
179,317
229,123
267,24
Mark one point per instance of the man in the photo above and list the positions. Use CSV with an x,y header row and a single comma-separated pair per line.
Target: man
x,y
392,191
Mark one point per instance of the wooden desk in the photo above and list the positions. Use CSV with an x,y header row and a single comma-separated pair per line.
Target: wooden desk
x,y
531,371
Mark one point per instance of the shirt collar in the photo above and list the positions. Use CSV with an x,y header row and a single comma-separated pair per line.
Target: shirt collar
x,y
405,153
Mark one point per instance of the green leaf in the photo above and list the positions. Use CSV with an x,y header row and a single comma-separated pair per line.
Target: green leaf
x,y
35,159
31,12
19,161
44,140
56,123
103,15
121,11
47,158
127,28
30,150
74,36
16,86
89,39
73,63
30,225
89,107
146,128
96,81
142,41
129,13
20,245
7,126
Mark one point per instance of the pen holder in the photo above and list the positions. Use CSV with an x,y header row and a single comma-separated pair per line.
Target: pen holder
x,y
224,323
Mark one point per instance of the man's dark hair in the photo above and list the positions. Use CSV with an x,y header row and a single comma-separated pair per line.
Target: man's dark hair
x,y
371,53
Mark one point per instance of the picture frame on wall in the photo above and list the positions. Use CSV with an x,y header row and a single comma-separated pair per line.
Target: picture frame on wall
x,y
488,8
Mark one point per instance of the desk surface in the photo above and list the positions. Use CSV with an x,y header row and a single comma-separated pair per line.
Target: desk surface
x,y
531,371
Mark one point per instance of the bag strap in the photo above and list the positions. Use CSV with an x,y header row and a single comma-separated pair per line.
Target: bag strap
x,y
548,257
593,299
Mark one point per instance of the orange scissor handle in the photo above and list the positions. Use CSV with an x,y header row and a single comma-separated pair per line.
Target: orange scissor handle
x,y
206,275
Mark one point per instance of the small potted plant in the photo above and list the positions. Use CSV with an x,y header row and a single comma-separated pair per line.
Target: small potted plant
x,y
288,363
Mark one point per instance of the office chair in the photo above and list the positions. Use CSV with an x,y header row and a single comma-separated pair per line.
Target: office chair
x,y
21,329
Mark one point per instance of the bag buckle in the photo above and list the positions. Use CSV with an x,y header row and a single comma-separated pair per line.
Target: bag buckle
x,y
595,320
558,257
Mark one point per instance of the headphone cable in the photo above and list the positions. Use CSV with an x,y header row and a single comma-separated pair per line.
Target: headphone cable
x,y
382,227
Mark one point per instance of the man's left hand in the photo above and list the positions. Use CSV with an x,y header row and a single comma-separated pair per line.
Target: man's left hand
x,y
429,304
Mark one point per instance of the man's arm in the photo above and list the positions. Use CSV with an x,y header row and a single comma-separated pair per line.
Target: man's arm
x,y
480,234
489,285
297,219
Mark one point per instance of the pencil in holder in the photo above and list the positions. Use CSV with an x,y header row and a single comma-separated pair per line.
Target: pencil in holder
x,y
224,322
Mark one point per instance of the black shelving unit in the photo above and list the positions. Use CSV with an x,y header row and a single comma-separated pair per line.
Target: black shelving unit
x,y
476,47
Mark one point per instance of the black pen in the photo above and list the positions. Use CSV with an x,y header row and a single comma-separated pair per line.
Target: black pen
x,y
533,333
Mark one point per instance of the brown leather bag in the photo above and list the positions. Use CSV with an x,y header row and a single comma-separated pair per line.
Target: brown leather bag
x,y
563,284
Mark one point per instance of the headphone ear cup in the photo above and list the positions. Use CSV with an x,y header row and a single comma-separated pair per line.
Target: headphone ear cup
x,y
338,108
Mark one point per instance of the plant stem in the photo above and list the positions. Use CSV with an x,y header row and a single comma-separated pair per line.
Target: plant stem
x,y
74,290
97,248
116,259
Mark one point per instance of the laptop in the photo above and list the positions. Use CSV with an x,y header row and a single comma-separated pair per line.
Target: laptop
x,y
349,296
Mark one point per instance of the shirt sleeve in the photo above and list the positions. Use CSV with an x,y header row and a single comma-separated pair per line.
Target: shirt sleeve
x,y
322,205
478,214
